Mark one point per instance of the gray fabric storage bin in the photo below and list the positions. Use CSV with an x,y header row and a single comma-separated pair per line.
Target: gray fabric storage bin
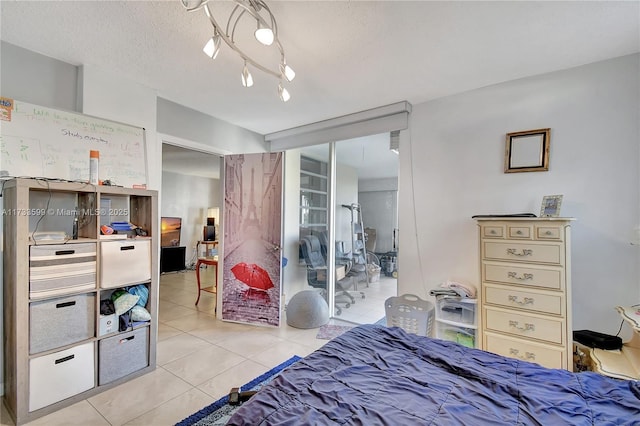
x,y
61,321
59,268
122,355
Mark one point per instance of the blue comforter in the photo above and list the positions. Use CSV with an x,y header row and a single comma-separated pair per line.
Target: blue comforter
x,y
374,375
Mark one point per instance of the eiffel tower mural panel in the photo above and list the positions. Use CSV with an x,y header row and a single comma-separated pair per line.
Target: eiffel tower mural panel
x,y
252,237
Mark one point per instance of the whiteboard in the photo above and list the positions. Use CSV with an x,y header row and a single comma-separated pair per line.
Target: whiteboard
x,y
37,141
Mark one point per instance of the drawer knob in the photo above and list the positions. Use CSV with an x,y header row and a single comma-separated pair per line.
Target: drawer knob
x,y
519,232
527,326
524,252
548,233
527,355
524,277
525,301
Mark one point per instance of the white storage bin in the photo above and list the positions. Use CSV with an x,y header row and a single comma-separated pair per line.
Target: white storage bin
x,y
457,309
61,375
61,321
61,268
462,335
124,262
122,355
108,324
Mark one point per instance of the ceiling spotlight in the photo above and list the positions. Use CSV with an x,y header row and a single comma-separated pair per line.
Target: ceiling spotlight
x,y
247,79
284,93
266,33
212,48
287,72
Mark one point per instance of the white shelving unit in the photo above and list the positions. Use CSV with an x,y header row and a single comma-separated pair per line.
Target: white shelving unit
x,y
58,349
313,196
456,320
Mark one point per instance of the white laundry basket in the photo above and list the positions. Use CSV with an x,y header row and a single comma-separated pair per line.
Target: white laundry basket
x,y
410,313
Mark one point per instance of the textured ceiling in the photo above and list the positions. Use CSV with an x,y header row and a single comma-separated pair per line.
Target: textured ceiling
x,y
349,56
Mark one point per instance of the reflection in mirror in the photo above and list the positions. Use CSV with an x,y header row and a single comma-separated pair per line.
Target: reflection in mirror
x,y
527,151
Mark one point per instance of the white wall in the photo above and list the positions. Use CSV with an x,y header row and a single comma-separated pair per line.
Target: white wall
x,y
379,201
294,277
107,95
37,79
380,212
190,205
452,168
186,123
346,193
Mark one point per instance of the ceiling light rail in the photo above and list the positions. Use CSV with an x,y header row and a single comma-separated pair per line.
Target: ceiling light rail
x,y
266,33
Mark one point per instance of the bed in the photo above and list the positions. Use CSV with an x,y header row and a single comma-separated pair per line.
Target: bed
x,y
375,375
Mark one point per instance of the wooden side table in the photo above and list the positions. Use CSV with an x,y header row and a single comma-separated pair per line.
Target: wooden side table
x,y
213,261
206,245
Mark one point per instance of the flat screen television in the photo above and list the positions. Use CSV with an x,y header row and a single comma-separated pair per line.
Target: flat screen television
x,y
170,231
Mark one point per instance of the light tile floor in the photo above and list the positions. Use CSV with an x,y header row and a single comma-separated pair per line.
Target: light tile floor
x,y
199,358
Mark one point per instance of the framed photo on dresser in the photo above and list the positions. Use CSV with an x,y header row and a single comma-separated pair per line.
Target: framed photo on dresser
x,y
551,206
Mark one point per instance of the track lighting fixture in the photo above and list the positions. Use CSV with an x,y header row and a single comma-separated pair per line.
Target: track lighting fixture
x,y
266,33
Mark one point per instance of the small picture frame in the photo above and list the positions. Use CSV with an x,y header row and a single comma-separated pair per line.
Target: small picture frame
x,y
551,206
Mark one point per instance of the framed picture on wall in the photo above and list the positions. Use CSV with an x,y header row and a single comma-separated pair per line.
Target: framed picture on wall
x,y
551,206
527,151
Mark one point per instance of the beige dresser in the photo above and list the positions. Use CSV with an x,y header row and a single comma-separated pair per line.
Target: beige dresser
x,y
525,303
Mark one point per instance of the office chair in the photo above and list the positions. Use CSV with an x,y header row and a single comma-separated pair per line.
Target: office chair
x,y
355,267
317,273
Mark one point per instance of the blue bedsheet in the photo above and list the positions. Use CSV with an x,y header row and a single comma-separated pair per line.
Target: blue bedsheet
x,y
374,375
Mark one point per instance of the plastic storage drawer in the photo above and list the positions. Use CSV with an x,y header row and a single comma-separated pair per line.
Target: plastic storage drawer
x,y
456,309
61,321
464,336
60,268
122,355
124,262
61,375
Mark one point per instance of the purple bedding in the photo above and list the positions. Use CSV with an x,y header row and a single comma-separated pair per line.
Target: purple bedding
x,y
374,375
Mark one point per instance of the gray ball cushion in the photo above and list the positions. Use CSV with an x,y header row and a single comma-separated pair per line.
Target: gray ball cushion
x,y
307,309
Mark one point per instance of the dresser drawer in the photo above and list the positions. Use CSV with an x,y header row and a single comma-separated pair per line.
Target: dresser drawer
x,y
522,252
511,297
549,357
520,231
527,326
528,277
493,231
549,233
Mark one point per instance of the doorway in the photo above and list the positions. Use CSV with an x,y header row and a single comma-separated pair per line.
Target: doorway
x,y
190,189
364,209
